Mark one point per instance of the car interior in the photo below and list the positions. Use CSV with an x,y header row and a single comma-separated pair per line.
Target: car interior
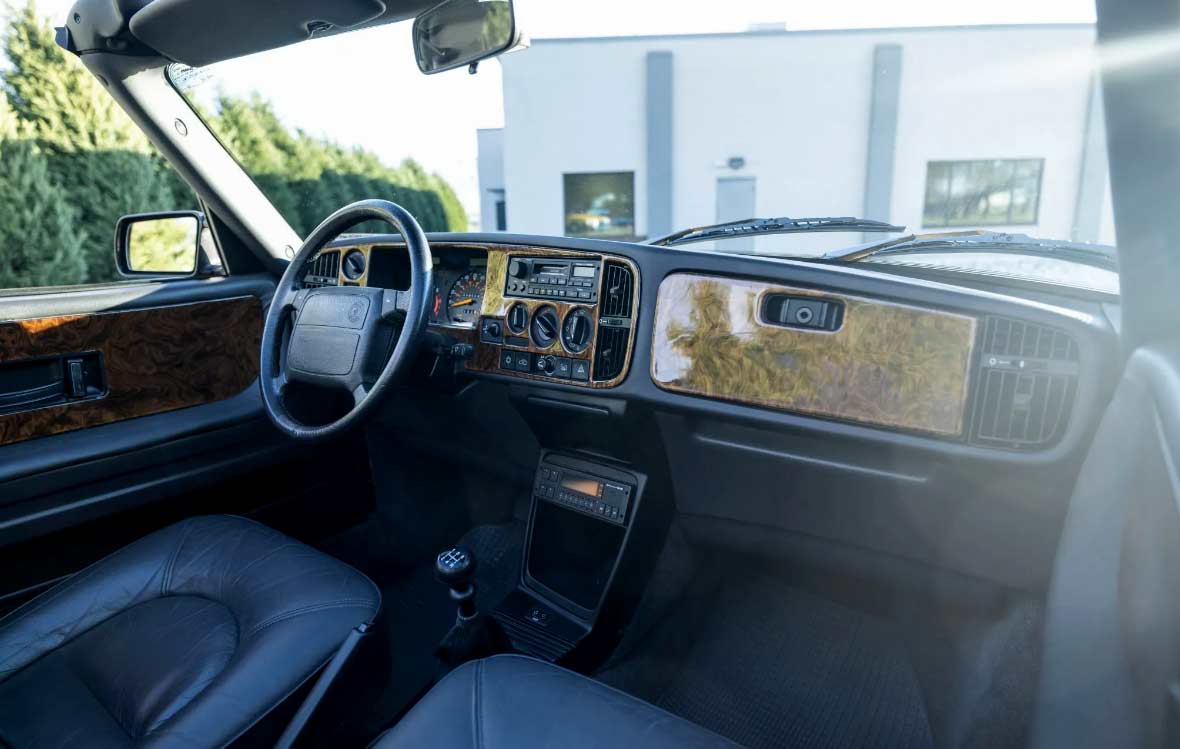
x,y
399,488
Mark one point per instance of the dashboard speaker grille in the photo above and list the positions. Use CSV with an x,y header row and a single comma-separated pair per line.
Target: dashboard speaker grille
x,y
617,290
1027,381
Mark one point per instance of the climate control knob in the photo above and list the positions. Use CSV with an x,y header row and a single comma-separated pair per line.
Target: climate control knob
x,y
545,327
518,318
577,331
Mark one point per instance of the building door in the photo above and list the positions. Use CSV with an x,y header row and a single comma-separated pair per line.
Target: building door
x,y
735,201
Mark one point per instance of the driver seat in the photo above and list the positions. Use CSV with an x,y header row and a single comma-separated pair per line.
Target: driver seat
x,y
185,638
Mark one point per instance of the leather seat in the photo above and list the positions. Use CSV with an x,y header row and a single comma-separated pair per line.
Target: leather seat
x,y
519,702
185,638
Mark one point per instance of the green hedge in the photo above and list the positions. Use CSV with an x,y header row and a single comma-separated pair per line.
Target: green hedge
x,y
72,162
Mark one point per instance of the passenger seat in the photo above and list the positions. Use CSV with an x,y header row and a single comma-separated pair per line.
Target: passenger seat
x,y
520,702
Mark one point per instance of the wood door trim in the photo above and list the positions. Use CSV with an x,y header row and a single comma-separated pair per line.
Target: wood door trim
x,y
156,359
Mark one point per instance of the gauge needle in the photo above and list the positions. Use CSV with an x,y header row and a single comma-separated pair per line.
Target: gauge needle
x,y
462,303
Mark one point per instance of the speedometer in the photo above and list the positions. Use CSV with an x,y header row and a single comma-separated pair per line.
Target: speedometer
x,y
466,298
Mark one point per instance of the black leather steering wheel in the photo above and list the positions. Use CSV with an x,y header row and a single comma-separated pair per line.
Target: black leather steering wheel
x,y
344,337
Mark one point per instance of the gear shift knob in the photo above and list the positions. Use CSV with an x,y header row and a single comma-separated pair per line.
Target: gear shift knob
x,y
456,569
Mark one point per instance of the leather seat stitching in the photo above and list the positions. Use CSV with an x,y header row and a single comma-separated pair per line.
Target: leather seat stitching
x,y
167,581
477,706
340,604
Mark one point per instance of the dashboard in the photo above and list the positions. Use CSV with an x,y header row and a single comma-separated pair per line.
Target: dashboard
x,y
903,356
533,313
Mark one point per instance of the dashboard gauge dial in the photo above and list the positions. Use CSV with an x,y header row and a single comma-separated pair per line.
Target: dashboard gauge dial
x,y
466,298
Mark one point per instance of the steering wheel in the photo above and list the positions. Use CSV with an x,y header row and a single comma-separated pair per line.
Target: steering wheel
x,y
348,337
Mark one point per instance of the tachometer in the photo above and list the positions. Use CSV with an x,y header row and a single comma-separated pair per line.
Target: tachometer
x,y
466,298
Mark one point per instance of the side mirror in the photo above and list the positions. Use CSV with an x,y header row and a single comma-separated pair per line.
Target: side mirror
x,y
158,244
456,33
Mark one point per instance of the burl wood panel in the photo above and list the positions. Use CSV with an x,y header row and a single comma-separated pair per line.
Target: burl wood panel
x,y
156,359
495,304
889,364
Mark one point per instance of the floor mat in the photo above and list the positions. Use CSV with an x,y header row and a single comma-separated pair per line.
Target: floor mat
x,y
768,665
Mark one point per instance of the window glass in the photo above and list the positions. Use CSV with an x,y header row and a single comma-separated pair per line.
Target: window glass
x,y
601,204
993,192
71,163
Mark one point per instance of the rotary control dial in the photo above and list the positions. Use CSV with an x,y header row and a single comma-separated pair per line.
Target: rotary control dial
x,y
577,331
518,318
545,327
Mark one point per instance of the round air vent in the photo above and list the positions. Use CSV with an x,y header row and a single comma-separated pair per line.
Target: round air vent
x,y
354,265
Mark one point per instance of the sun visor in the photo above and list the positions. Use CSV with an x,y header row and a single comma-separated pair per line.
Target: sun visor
x,y
200,32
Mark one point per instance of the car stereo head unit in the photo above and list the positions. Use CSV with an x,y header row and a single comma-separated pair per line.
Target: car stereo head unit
x,y
591,495
553,278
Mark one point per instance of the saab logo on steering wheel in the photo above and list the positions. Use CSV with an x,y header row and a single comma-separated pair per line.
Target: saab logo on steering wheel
x,y
356,312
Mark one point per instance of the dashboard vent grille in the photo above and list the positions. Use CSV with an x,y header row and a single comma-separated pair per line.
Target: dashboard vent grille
x,y
1027,380
323,271
611,354
617,290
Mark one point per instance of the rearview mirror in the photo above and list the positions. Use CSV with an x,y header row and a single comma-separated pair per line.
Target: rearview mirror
x,y
158,244
462,32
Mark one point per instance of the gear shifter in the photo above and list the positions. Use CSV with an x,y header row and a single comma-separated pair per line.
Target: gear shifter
x,y
473,635
456,569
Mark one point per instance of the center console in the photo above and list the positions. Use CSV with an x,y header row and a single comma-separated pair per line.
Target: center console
x,y
581,517
557,316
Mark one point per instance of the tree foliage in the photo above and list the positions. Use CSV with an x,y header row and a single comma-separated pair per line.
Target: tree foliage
x,y
307,177
73,158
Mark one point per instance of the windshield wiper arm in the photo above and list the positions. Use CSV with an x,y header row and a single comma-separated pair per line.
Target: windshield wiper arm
x,y
754,226
1098,256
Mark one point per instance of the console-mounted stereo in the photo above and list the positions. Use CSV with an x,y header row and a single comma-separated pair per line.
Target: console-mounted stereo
x,y
553,278
591,495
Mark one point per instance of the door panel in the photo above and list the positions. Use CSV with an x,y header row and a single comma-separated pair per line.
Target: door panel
x,y
178,428
153,360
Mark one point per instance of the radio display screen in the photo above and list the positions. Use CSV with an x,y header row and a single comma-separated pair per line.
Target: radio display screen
x,y
584,271
591,487
558,269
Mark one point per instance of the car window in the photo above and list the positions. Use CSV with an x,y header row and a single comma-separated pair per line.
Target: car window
x,y
71,163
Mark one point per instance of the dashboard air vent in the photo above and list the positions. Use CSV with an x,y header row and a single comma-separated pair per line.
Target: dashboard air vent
x,y
1027,380
611,355
617,290
323,271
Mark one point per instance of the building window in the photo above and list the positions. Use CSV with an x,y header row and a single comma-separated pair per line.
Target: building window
x,y
600,204
501,215
987,192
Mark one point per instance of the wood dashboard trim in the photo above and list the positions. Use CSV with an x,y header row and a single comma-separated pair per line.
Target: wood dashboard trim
x,y
495,304
889,364
487,359
155,359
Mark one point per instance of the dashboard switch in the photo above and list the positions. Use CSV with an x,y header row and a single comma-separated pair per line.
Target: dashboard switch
x,y
507,359
581,370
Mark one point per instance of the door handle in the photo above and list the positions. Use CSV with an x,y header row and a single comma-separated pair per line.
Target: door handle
x,y
35,383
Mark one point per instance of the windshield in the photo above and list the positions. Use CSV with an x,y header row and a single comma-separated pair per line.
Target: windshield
x,y
637,124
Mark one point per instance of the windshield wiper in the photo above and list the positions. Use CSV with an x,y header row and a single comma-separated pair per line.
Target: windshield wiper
x,y
753,226
1098,256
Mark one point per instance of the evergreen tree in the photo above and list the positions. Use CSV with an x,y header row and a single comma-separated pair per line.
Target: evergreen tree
x,y
39,245
96,155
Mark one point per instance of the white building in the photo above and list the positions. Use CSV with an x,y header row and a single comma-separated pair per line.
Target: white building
x,y
932,128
